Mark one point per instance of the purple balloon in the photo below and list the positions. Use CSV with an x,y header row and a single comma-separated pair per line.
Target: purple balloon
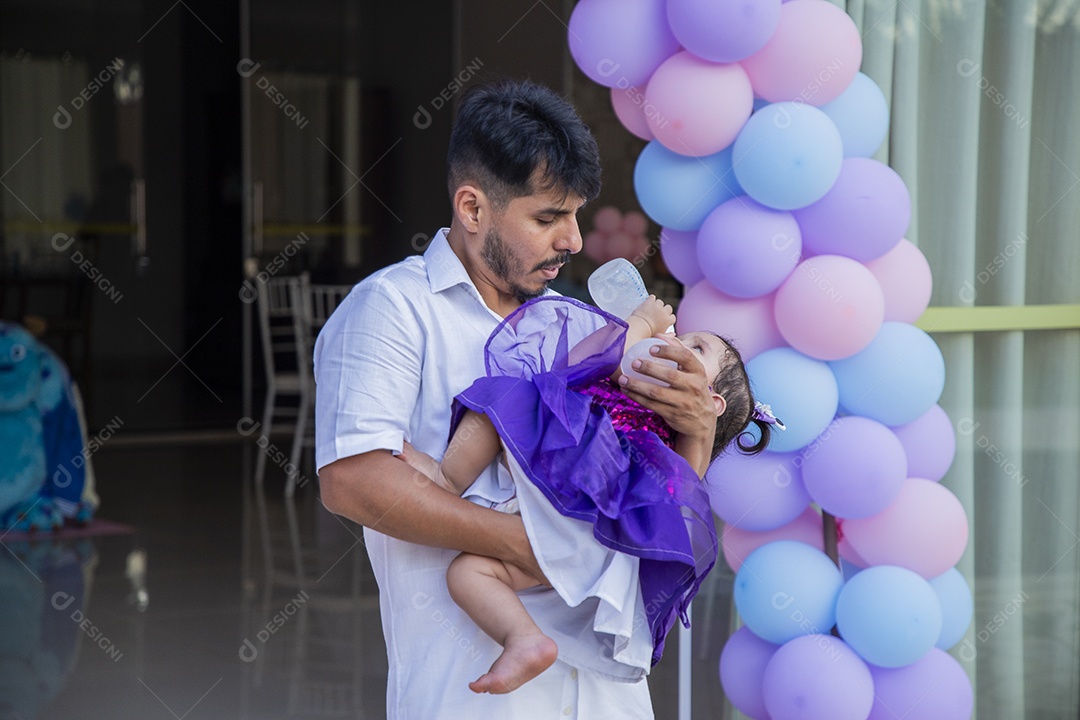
x,y
619,43
723,32
678,248
742,665
817,677
930,444
933,688
862,216
746,249
759,492
856,469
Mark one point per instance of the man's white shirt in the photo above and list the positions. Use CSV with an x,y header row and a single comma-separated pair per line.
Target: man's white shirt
x,y
388,364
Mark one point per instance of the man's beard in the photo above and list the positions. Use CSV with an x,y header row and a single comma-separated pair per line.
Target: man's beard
x,y
506,266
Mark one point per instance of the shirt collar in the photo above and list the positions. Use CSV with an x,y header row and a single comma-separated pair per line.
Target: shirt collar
x,y
444,268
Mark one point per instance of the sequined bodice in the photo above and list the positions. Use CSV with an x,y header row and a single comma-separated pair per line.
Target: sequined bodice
x,y
625,413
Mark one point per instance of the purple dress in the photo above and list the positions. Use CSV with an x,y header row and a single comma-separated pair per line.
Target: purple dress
x,y
547,394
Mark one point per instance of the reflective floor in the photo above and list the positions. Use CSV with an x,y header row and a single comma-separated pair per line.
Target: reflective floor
x,y
223,602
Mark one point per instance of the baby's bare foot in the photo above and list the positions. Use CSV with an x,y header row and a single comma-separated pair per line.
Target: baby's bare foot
x,y
523,658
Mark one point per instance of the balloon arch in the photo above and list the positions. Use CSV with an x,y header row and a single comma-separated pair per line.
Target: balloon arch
x,y
790,240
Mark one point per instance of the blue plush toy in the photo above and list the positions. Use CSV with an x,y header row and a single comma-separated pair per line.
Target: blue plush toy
x,y
42,466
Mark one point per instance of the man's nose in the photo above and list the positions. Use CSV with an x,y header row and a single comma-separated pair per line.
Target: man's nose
x,y
570,239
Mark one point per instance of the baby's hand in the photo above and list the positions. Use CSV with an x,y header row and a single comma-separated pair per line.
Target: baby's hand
x,y
656,313
419,461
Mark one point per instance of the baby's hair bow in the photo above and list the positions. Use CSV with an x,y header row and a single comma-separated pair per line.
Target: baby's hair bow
x,y
763,413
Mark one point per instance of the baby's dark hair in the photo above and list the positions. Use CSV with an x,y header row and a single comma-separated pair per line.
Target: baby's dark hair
x,y
733,384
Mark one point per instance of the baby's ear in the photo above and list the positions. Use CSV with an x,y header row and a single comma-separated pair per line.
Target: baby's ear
x,y
721,404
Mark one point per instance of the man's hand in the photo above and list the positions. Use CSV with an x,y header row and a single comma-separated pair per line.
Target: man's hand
x,y
686,406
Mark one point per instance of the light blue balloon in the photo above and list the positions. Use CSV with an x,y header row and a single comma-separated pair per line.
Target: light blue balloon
x,y
861,114
957,607
895,379
786,589
678,191
890,615
788,155
801,391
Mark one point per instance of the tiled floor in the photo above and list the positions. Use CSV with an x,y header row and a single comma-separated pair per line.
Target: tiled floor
x,y
229,629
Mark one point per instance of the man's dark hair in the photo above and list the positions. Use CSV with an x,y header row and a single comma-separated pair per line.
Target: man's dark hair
x,y
506,131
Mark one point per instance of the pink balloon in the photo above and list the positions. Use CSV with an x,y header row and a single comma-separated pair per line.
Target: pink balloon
x,y
608,219
635,223
925,530
930,444
935,687
678,248
621,245
863,215
904,276
594,245
746,249
739,543
756,492
812,57
742,665
831,307
749,323
846,551
700,106
817,677
629,106
642,248
618,43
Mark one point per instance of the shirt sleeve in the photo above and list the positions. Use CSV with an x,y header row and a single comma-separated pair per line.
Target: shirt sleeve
x,y
367,373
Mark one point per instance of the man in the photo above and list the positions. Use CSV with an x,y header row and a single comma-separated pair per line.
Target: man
x,y
388,364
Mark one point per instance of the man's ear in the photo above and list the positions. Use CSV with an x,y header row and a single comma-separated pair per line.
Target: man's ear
x,y
470,205
721,404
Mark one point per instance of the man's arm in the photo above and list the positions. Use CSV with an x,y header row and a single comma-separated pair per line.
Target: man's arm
x,y
686,405
383,493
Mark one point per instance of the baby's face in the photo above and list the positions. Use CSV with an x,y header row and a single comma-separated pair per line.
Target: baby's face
x,y
707,348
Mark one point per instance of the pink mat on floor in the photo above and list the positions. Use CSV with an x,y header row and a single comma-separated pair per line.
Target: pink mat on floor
x,y
95,527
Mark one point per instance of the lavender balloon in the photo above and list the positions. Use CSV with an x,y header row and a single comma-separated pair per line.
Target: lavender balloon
x,y
930,444
619,43
746,249
934,688
862,216
742,666
760,492
857,468
723,32
817,677
678,248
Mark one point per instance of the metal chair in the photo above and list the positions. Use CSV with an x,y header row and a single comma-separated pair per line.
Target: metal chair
x,y
285,335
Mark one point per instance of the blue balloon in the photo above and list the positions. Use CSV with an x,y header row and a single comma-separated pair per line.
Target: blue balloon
x,y
801,391
957,607
788,155
786,589
890,615
861,114
895,379
678,191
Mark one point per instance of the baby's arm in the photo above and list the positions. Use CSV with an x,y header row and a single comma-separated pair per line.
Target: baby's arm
x,y
474,446
650,318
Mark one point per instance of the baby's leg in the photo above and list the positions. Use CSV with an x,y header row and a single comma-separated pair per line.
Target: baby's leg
x,y
486,589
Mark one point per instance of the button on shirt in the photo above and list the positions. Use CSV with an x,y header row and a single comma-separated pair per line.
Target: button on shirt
x,y
388,364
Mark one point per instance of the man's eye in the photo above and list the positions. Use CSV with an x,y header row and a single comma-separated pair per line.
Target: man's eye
x,y
546,221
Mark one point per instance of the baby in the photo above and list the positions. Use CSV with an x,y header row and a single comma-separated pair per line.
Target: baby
x,y
486,588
